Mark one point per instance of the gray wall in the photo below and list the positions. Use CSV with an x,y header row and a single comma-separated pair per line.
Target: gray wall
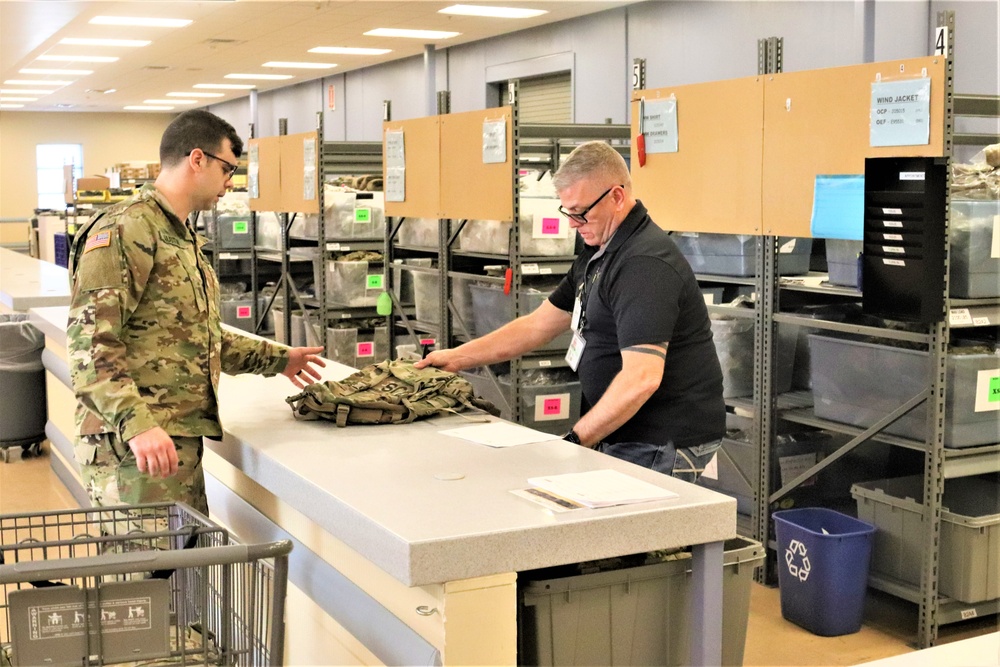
x,y
682,42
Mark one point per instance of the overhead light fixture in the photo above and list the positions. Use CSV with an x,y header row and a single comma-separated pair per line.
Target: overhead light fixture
x,y
137,107
25,91
62,72
195,94
87,41
226,86
493,12
11,106
263,77
178,101
101,92
18,99
146,22
291,65
415,34
35,82
349,50
79,59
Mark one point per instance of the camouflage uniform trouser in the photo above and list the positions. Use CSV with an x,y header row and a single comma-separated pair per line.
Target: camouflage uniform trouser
x,y
111,476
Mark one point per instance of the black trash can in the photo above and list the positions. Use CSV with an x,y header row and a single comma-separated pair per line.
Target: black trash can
x,y
23,410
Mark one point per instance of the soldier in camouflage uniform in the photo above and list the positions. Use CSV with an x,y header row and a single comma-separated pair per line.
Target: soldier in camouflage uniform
x,y
146,346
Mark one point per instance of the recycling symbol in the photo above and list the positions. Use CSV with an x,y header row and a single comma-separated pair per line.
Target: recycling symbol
x,y
797,560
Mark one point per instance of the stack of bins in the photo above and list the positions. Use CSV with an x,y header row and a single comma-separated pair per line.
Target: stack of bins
x,y
736,254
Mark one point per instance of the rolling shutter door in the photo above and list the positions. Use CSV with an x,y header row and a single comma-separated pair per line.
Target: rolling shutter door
x,y
546,99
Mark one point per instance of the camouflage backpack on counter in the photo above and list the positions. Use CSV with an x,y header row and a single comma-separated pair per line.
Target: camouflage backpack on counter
x,y
390,392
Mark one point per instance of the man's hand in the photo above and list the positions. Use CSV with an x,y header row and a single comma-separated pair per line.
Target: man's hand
x,y
302,362
447,360
154,452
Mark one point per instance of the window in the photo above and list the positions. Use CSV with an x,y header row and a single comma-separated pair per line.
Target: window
x,y
50,160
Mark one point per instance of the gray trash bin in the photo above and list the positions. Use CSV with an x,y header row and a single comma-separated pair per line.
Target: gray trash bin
x,y
23,410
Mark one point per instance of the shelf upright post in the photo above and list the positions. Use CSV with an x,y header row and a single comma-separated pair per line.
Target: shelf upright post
x,y
286,273
934,460
446,332
766,286
514,250
256,316
321,250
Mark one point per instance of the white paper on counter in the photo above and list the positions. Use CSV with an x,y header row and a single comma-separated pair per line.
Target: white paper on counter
x,y
601,488
499,434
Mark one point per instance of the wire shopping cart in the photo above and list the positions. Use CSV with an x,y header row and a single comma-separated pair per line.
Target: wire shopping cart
x,y
144,584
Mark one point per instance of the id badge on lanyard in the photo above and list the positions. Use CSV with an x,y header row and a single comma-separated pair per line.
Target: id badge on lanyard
x,y
575,351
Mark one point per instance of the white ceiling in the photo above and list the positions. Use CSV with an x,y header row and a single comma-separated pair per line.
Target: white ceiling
x,y
225,37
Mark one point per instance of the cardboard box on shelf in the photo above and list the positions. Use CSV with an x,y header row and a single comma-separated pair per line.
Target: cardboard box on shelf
x,y
93,183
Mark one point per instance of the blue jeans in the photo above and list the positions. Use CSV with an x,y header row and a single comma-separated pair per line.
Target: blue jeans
x,y
686,463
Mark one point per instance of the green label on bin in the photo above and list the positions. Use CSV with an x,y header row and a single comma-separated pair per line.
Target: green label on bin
x,y
362,215
375,281
994,390
241,227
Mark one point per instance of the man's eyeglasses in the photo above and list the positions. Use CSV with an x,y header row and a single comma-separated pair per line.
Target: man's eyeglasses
x,y
229,166
581,217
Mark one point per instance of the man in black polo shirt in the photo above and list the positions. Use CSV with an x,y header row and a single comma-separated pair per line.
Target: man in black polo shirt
x,y
642,344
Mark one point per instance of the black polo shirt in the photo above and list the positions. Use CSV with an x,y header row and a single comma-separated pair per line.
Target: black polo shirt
x,y
641,290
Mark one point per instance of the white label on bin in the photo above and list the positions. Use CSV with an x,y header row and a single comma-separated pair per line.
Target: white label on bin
x,y
544,363
892,223
797,560
365,350
981,321
995,246
894,249
242,312
968,613
552,407
959,317
787,248
893,262
988,390
545,270
892,211
911,176
529,269
893,237
228,255
333,246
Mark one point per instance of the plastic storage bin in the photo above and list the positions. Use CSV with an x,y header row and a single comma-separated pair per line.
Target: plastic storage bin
x,y
237,312
858,383
494,309
402,280
969,569
632,616
427,299
736,254
354,284
823,559
733,340
550,399
418,232
298,338
23,410
353,215
234,231
975,267
357,347
544,233
842,261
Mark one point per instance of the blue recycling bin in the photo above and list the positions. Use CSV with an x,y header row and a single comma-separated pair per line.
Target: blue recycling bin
x,y
823,559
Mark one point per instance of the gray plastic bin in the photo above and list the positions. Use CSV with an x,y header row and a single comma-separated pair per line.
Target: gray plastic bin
x,y
969,569
632,616
975,267
858,383
234,231
494,309
237,312
550,399
736,254
357,347
23,410
842,261
733,338
427,299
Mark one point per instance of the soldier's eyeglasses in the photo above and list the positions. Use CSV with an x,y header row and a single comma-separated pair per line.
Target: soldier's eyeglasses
x,y
229,166
581,217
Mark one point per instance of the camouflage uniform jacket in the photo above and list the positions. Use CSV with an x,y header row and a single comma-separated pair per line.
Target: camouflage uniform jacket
x,y
146,345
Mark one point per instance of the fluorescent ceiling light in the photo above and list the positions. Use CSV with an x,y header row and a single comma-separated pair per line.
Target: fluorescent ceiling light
x,y
18,99
26,91
87,41
226,86
493,12
349,50
11,106
267,77
147,22
64,72
195,95
79,59
416,34
170,101
290,65
35,82
136,107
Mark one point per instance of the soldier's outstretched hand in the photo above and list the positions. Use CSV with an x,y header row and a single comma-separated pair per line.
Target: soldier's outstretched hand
x,y
302,363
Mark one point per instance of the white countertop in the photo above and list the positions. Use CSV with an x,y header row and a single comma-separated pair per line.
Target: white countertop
x,y
379,488
26,282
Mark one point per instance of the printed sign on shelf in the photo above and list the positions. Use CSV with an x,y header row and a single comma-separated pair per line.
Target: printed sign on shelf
x,y
495,141
900,113
659,125
552,407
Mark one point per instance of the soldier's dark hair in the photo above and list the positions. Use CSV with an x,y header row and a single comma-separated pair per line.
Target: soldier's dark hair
x,y
196,129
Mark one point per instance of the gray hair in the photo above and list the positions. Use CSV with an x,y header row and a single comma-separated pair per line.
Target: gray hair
x,y
594,159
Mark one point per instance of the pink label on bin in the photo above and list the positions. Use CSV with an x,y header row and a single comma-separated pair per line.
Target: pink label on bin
x,y
552,406
242,312
366,350
428,341
550,225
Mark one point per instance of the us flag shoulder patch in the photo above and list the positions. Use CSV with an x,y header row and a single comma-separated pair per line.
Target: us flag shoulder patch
x,y
99,240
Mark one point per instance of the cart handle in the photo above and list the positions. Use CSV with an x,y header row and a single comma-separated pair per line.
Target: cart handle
x,y
145,561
